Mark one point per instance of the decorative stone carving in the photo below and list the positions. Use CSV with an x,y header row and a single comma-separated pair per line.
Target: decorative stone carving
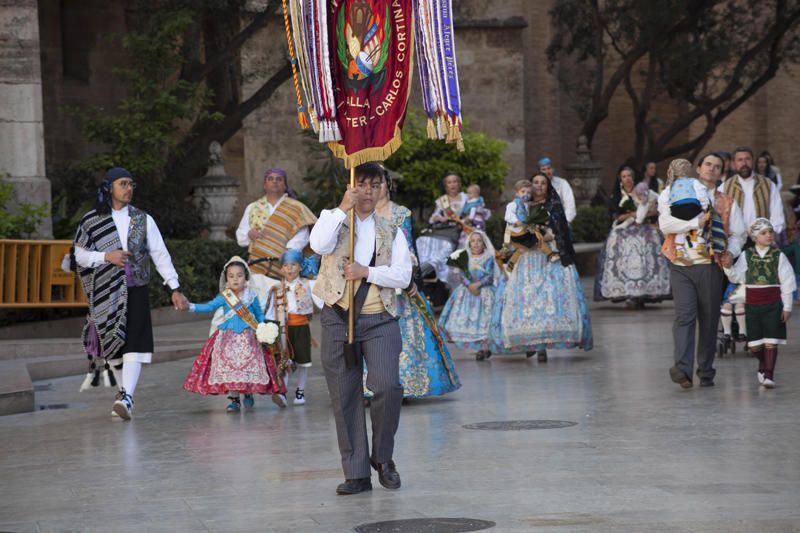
x,y
583,174
216,194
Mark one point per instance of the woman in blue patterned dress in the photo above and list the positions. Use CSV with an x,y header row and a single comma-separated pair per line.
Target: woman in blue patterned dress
x,y
426,368
466,317
542,304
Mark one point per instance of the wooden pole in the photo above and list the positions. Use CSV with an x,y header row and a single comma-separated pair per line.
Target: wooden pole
x,y
351,284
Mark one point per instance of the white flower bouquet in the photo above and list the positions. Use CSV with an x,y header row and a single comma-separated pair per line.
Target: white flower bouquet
x,y
460,260
268,333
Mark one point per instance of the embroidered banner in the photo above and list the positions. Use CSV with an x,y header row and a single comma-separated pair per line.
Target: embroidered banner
x,y
372,72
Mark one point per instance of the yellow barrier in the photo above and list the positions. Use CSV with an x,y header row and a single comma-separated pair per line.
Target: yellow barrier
x,y
32,277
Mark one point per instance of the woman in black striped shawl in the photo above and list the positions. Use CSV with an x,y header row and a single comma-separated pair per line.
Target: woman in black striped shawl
x,y
113,247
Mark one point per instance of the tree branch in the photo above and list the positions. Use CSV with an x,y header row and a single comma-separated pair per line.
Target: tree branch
x,y
197,72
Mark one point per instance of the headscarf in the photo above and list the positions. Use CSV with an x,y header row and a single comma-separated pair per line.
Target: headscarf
x,y
476,261
678,168
759,225
233,260
543,162
282,173
104,191
309,266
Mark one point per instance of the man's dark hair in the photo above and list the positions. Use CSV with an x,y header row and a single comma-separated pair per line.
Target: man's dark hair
x,y
370,171
740,149
718,155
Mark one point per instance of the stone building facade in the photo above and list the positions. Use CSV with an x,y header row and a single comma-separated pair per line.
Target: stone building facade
x,y
508,92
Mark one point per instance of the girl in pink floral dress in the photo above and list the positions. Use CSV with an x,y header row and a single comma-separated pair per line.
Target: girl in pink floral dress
x,y
232,361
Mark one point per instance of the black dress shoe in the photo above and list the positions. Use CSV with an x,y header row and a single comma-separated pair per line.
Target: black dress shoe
x,y
706,382
678,376
542,358
387,474
354,486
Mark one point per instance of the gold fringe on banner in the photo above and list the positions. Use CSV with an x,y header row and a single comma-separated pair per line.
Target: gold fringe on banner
x,y
378,153
431,129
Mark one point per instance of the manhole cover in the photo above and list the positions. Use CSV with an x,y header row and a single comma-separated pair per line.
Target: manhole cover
x,y
426,525
520,425
54,406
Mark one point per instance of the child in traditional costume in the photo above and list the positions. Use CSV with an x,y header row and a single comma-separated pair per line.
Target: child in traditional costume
x,y
466,317
232,361
474,212
292,304
769,287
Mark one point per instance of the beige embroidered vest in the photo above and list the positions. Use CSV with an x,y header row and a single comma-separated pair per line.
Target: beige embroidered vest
x,y
331,285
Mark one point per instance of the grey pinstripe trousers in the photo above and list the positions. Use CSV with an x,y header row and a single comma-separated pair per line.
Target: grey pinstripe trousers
x,y
379,335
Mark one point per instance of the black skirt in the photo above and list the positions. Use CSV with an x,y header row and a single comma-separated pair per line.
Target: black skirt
x,y
139,326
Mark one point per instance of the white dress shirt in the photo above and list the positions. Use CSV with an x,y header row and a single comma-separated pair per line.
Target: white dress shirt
x,y
749,205
564,191
155,246
297,242
669,224
325,235
738,274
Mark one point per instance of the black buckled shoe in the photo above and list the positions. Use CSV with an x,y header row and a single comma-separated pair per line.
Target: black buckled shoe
x,y
387,474
354,486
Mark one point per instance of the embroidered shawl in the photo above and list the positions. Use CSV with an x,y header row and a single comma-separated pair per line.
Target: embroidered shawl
x,y
289,217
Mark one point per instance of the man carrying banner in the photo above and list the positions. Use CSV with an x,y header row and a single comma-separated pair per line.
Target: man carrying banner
x,y
381,264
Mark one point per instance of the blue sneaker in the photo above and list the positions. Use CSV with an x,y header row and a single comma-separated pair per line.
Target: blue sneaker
x,y
249,401
235,405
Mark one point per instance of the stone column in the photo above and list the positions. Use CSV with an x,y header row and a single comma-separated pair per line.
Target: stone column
x,y
21,120
583,174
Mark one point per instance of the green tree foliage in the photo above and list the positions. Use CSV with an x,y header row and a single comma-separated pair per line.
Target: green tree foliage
x,y
703,58
183,84
148,124
423,163
23,220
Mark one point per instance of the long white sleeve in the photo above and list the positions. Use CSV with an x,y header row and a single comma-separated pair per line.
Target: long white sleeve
x,y
788,282
88,259
738,235
325,232
776,209
160,254
738,272
242,239
300,239
669,224
398,274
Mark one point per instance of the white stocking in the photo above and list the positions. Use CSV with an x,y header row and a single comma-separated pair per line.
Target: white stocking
x,y
727,319
741,320
130,375
302,377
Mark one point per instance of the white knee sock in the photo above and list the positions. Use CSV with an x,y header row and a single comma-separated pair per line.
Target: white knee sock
x,y
130,376
302,377
727,319
742,322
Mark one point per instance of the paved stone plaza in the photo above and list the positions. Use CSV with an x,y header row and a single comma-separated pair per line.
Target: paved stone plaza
x,y
644,455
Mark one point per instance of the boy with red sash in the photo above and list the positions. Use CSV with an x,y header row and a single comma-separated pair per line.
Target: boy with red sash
x,y
769,285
